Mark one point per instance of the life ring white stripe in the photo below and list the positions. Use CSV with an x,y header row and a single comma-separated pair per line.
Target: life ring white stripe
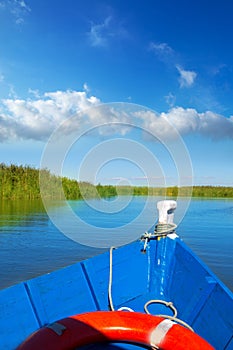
x,y
160,332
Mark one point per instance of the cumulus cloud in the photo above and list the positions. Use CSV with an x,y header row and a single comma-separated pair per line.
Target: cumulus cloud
x,y
188,121
38,118
7,127
187,77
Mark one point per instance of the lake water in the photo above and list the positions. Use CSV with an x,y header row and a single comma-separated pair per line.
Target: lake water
x,y
31,244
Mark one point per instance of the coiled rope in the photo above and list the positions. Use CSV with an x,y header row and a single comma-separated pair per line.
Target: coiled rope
x,y
161,230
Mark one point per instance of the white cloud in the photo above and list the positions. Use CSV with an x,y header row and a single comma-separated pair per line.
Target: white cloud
x,y
187,77
163,51
170,99
86,87
169,57
7,128
98,34
17,8
36,119
23,5
161,48
188,121
35,93
101,34
1,77
12,93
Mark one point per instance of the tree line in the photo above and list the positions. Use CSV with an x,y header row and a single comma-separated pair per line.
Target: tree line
x,y
23,182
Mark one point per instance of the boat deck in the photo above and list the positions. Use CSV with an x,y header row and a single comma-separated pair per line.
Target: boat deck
x,y
168,270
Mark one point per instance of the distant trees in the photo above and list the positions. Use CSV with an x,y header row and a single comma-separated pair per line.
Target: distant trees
x,y
71,188
174,191
23,182
106,191
213,191
18,182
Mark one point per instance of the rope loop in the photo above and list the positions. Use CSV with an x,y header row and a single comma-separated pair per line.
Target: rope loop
x,y
169,304
172,307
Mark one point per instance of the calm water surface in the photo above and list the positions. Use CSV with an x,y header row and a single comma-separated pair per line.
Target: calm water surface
x,y
31,245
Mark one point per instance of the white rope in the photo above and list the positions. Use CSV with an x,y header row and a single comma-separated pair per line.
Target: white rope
x,y
164,229
172,307
160,231
125,308
168,304
158,301
111,307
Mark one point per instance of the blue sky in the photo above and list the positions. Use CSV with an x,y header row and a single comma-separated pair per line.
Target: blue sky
x,y
60,58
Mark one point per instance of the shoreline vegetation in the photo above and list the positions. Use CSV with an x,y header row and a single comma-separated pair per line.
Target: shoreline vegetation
x,y
23,182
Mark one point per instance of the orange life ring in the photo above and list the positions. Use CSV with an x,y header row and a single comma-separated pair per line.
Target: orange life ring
x,y
114,326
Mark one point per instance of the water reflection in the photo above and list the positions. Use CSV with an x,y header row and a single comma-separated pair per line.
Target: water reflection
x,y
31,245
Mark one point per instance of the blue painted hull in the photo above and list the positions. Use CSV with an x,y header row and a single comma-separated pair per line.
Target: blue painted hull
x,y
168,270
